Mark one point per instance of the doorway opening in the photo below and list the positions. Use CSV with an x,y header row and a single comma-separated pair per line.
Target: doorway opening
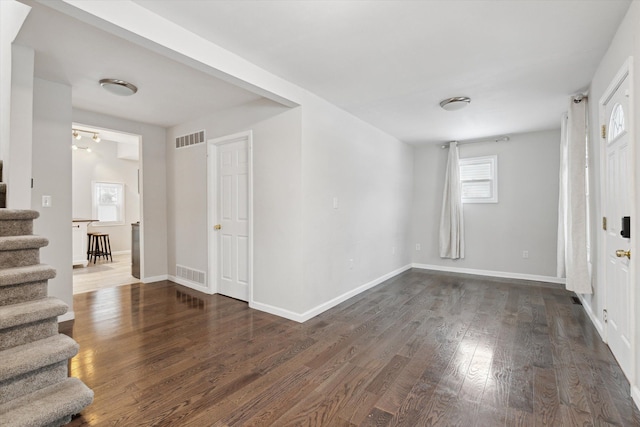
x,y
106,201
617,152
230,215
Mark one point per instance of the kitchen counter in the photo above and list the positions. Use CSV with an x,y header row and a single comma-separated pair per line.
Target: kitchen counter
x,y
79,239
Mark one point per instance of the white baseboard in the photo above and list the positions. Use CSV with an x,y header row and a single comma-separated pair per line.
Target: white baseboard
x,y
276,311
594,318
635,395
190,284
155,278
489,273
303,317
69,315
128,251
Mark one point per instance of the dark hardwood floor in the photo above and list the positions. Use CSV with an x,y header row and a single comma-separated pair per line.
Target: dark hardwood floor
x,y
421,349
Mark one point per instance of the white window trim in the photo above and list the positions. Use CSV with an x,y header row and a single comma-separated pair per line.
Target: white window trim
x,y
94,208
493,160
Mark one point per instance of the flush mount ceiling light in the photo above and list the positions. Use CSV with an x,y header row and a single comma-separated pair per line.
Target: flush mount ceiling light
x,y
118,87
455,103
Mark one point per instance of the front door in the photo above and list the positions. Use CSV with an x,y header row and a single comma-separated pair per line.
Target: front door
x,y
232,228
618,201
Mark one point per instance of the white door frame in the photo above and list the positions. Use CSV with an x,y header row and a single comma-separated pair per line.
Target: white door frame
x,y
212,193
626,70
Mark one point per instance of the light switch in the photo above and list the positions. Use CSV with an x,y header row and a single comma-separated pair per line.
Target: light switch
x,y
335,203
46,201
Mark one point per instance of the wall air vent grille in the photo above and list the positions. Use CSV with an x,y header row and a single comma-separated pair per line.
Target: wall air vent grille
x,y
189,140
195,276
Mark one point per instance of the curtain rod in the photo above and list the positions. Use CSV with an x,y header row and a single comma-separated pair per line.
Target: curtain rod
x,y
504,138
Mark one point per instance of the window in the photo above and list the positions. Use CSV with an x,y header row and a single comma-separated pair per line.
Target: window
x,y
108,203
479,179
616,123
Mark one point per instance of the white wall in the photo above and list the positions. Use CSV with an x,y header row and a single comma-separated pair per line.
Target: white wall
x,y
187,179
153,184
371,175
303,158
102,164
326,125
52,176
276,197
626,43
278,212
12,16
17,171
496,234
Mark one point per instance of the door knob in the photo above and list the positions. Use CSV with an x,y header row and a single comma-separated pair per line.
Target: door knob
x,y
620,253
217,227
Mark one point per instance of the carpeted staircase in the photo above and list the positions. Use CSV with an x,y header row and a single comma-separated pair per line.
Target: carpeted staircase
x,y
35,389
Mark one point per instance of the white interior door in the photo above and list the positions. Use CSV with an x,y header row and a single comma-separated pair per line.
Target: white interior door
x,y
232,228
618,201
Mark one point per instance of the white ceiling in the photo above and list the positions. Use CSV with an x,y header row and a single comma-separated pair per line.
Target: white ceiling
x,y
387,62
169,93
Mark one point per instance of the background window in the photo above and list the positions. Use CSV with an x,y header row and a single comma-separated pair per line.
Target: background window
x,y
108,203
479,179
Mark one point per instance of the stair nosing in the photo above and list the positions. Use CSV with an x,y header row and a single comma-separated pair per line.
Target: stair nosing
x,y
20,408
16,243
26,274
32,311
25,358
18,214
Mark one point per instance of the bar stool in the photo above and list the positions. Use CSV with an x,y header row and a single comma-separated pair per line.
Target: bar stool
x,y
99,246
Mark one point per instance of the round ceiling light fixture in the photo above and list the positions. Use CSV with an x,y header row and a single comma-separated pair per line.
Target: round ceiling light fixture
x,y
118,87
455,103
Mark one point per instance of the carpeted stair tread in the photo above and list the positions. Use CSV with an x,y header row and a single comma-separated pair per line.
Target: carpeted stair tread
x,y
47,405
34,355
23,214
15,243
27,274
31,311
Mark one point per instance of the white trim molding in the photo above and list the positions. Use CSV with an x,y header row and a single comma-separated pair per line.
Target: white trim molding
x,y
153,279
128,251
627,70
594,319
190,284
489,273
303,317
212,194
69,315
635,395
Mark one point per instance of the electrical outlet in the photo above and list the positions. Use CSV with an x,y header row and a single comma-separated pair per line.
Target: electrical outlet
x,y
335,203
525,254
418,248
351,263
393,250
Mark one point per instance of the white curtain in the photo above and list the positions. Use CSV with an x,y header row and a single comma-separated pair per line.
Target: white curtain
x,y
451,219
572,207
